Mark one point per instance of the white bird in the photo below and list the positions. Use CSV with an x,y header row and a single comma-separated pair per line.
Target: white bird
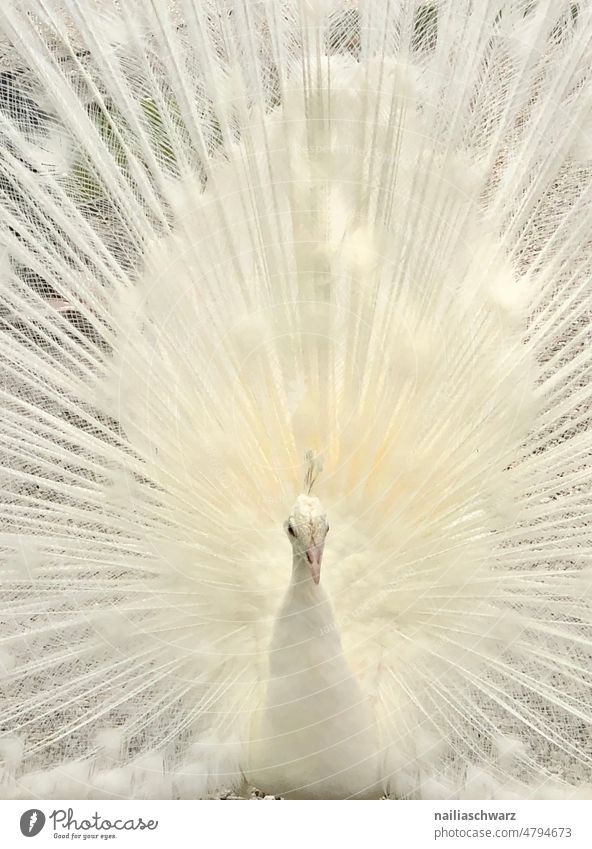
x,y
244,243
316,736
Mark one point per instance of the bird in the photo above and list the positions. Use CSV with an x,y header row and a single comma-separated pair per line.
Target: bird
x,y
315,736
295,433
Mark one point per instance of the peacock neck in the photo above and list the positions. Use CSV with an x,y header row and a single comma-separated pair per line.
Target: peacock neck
x,y
306,605
316,735
306,645
301,581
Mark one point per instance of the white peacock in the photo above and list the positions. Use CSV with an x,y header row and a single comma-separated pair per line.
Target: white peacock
x,y
237,235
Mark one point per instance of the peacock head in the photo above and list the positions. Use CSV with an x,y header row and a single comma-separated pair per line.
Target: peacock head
x,y
307,528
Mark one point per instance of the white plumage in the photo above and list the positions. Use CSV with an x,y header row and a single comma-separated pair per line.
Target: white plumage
x,y
243,240
315,735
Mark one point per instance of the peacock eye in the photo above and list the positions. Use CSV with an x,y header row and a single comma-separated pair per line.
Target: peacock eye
x,y
291,531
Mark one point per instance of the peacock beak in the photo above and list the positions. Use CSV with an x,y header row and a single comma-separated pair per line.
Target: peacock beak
x,y
314,556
